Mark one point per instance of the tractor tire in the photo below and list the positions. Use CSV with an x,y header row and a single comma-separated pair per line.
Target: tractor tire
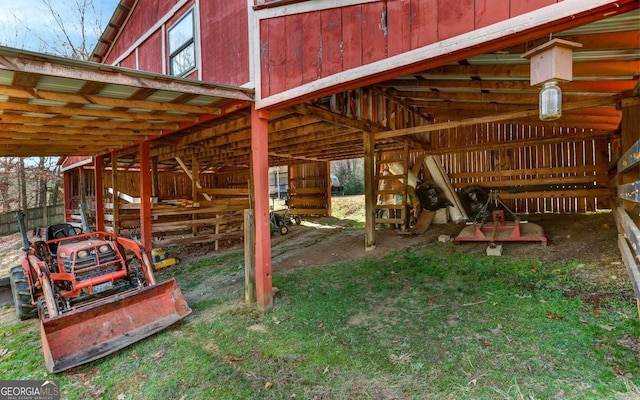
x,y
283,229
21,294
298,220
43,312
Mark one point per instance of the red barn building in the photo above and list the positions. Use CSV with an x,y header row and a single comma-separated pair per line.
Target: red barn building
x,y
389,80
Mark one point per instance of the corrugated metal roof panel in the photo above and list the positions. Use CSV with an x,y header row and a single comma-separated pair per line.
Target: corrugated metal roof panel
x,y
6,77
58,84
620,23
118,91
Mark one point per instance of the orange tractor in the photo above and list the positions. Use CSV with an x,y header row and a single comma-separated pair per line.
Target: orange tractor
x,y
94,293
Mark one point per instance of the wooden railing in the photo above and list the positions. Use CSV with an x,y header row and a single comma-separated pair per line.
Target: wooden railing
x,y
627,214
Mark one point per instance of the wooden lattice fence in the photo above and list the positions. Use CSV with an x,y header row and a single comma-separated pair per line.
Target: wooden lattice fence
x,y
534,170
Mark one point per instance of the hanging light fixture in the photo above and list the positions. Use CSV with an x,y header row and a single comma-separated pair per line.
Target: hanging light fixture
x,y
551,65
550,103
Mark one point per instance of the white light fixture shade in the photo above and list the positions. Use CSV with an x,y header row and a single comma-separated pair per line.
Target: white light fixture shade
x,y
550,101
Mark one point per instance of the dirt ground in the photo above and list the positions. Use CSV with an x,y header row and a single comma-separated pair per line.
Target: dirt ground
x,y
588,238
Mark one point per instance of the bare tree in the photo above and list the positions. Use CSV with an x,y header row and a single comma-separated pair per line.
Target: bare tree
x,y
70,28
7,174
73,32
22,184
77,27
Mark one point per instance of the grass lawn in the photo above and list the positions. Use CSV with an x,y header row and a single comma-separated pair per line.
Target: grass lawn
x,y
420,323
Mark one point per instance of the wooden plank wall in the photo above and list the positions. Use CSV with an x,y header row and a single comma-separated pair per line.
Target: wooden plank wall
x,y
177,217
337,39
563,175
309,191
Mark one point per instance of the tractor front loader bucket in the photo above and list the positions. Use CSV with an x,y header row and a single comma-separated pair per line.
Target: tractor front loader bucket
x,y
101,328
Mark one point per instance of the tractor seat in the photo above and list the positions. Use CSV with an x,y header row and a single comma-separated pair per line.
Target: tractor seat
x,y
59,231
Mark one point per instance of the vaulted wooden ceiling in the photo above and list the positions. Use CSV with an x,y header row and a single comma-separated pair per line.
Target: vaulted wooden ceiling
x,y
52,106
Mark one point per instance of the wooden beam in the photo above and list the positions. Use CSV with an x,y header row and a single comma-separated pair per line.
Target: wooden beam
x,y
492,118
531,97
8,130
72,69
556,194
579,171
515,84
333,117
93,113
559,180
82,99
191,176
630,191
589,69
630,158
102,125
433,107
626,40
629,245
349,122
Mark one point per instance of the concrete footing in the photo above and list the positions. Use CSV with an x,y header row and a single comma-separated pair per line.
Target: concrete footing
x,y
494,250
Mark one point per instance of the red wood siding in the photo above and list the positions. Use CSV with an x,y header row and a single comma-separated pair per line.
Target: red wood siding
x,y
129,62
150,52
293,55
331,39
352,37
145,14
311,49
455,17
225,41
373,33
338,39
224,38
491,11
519,7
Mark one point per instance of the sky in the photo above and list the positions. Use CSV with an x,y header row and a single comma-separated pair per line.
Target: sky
x,y
23,23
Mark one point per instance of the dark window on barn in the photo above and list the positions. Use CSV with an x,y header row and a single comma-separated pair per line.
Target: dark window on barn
x,y
182,50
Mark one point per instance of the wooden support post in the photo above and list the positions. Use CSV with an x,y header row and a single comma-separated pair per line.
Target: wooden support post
x,y
195,183
405,193
99,196
66,195
216,245
82,185
249,258
114,187
328,183
145,197
260,165
369,193
154,176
